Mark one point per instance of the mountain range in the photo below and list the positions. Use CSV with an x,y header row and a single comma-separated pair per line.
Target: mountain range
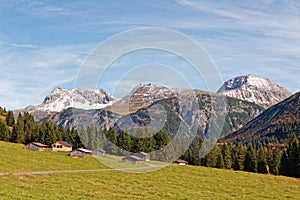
x,y
237,102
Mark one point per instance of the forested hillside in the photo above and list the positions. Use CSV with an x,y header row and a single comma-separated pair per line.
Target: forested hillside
x,y
24,130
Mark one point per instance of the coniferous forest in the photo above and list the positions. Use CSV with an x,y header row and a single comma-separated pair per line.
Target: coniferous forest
x,y
25,130
265,155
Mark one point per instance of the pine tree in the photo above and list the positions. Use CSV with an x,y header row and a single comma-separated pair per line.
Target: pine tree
x,y
235,161
161,139
76,139
226,153
29,128
293,156
195,152
84,136
211,158
186,156
250,163
124,141
60,132
262,161
284,164
4,132
10,120
67,137
239,156
18,134
149,143
298,162
274,168
91,139
111,146
101,138
220,161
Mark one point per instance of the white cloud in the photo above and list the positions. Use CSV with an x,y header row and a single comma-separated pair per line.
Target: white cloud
x,y
28,74
261,37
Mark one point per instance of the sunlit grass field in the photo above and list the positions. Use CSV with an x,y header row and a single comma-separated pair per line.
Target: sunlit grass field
x,y
172,182
14,158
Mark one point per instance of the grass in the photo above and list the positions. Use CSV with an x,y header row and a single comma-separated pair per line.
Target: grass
x,y
172,182
14,158
115,162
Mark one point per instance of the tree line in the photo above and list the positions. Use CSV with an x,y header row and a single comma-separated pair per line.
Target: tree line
x,y
24,130
121,143
271,158
262,155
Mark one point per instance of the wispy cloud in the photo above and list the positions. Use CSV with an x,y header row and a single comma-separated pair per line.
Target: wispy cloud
x,y
28,74
261,36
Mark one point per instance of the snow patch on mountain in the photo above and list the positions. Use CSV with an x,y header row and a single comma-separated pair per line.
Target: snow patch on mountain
x,y
255,89
87,99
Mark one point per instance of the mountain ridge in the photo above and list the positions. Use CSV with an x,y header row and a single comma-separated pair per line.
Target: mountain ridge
x,y
279,120
60,99
193,106
255,89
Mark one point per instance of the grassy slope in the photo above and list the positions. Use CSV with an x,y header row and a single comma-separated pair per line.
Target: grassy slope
x,y
13,158
173,182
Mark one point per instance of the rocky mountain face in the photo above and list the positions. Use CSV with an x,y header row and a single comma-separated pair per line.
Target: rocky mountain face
x,y
152,107
205,113
86,99
279,121
173,110
141,96
60,99
255,89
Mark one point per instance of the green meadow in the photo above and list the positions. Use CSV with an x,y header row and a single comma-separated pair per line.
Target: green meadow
x,y
172,182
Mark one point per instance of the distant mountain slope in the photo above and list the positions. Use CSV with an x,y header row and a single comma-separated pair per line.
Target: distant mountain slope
x,y
255,89
60,99
168,109
141,96
279,120
146,105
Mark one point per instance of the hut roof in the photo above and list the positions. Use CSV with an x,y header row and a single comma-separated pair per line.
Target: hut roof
x,y
180,161
132,158
66,143
39,144
145,154
84,150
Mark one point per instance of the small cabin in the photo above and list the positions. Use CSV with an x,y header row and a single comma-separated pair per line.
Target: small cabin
x,y
180,162
80,152
61,146
35,146
132,159
143,156
98,152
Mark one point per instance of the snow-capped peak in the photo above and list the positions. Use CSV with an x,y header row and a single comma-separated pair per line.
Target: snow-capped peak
x,y
254,89
247,80
60,99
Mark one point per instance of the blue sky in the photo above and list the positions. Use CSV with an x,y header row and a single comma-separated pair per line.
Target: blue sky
x,y
44,43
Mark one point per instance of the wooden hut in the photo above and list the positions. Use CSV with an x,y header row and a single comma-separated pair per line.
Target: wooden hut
x,y
132,159
80,152
98,152
143,156
61,146
180,162
36,146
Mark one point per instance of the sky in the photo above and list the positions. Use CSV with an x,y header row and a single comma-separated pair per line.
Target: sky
x,y
45,44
